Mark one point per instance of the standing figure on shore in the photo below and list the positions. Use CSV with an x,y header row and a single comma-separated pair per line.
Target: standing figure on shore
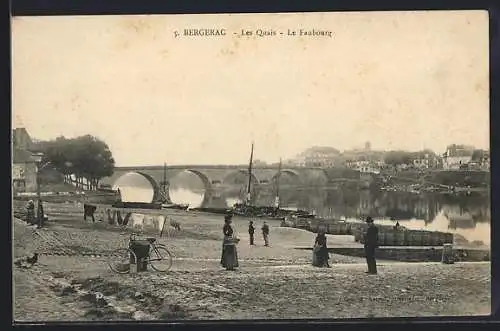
x,y
229,258
251,231
320,257
40,213
30,212
265,234
371,243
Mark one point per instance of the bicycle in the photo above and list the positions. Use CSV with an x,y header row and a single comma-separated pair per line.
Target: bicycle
x,y
159,257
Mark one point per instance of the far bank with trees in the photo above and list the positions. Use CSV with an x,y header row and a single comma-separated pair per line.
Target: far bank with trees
x,y
83,160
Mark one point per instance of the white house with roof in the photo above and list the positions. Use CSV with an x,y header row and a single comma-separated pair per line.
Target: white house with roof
x,y
457,156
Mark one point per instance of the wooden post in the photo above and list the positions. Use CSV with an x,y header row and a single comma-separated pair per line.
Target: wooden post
x,y
38,196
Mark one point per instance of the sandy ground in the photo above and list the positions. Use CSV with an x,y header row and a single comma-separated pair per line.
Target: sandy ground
x,y
272,282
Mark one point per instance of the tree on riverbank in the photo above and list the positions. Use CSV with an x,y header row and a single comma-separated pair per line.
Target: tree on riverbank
x,y
396,158
86,158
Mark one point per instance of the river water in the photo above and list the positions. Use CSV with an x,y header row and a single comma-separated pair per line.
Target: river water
x,y
466,215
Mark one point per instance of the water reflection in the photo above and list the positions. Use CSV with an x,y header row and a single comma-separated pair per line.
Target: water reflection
x,y
187,188
468,216
134,188
186,196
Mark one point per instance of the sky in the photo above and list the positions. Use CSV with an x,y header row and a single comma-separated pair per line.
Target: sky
x,y
401,80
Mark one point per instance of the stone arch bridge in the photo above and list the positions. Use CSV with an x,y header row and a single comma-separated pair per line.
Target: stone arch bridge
x,y
214,176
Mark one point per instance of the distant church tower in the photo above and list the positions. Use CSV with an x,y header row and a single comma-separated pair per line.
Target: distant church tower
x,y
368,146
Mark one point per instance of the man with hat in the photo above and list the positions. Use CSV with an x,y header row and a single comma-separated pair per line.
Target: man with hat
x,y
251,231
371,240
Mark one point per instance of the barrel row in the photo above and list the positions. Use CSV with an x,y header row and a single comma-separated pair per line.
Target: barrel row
x,y
334,228
409,238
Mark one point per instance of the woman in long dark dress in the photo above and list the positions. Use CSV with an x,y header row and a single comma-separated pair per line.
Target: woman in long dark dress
x,y
229,258
320,258
30,212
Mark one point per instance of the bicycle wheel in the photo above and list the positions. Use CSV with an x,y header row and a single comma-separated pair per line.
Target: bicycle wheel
x,y
119,260
160,258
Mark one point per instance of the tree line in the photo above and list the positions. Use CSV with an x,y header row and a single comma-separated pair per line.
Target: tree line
x,y
87,158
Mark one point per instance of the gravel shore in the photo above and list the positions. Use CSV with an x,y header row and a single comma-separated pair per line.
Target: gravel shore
x,y
272,282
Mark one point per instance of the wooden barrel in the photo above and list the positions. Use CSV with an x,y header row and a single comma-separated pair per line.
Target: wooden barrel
x,y
357,235
322,227
334,228
427,238
448,257
389,238
349,229
342,228
381,239
432,239
442,239
407,238
355,228
415,238
410,238
399,238
437,239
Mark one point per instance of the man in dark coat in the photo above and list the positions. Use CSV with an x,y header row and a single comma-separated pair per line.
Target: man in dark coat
x,y
371,239
251,231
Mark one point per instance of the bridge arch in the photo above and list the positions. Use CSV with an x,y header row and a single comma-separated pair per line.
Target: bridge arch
x,y
240,171
204,178
154,184
207,184
292,172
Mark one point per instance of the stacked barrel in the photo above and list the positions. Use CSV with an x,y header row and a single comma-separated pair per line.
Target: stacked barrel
x,y
331,227
392,237
388,235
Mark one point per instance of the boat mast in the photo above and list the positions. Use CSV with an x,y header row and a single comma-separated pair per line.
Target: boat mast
x,y
250,176
164,184
277,199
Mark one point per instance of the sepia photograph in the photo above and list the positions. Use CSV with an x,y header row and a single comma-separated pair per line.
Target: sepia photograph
x,y
328,165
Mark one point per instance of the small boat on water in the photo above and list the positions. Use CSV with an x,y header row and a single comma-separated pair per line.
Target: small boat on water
x,y
174,206
213,210
268,211
137,205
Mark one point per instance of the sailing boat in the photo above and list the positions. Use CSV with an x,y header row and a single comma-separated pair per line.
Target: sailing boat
x,y
248,199
164,201
247,209
277,198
